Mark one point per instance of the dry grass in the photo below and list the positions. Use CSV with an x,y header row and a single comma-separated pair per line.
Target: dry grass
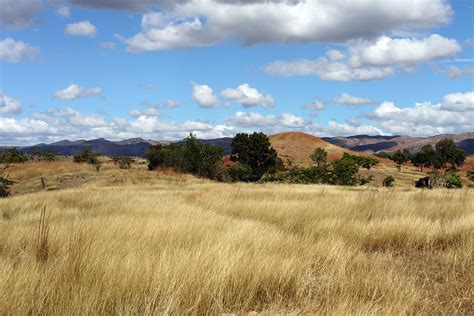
x,y
138,242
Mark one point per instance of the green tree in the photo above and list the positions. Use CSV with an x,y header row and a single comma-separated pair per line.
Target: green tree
x,y
48,155
319,157
255,151
345,171
12,155
401,157
86,155
448,153
5,184
155,156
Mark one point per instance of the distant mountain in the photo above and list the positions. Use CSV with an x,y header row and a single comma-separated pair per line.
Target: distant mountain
x,y
366,143
290,144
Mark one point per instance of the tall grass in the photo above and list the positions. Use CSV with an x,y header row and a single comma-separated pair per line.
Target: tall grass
x,y
154,243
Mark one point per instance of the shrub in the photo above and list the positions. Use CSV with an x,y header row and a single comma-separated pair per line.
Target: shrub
x,y
345,172
241,172
86,155
12,155
453,180
388,181
48,155
125,162
5,184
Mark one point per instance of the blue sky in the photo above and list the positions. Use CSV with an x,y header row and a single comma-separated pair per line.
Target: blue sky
x,y
160,69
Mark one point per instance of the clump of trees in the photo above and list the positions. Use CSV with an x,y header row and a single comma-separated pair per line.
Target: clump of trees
x,y
192,157
344,171
48,155
89,157
12,155
123,162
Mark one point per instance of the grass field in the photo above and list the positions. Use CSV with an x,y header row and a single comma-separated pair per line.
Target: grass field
x,y
133,241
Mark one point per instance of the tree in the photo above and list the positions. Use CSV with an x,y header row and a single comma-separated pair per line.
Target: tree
x,y
86,155
155,156
255,151
319,157
345,171
426,157
401,157
453,180
12,155
48,155
448,153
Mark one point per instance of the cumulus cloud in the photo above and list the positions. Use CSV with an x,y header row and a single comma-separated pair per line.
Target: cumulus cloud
x,y
348,99
345,129
15,51
459,102
191,23
83,28
246,120
455,72
204,96
454,115
9,105
403,51
248,96
74,92
17,14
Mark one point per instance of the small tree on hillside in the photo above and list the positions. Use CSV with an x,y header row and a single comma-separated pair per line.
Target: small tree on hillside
x,y
48,155
448,153
319,158
155,156
401,157
255,151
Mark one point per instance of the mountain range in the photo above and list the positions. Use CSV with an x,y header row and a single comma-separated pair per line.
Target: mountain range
x,y
283,141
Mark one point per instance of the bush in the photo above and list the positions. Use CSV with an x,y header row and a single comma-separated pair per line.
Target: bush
x,y
193,156
241,172
453,180
388,181
86,155
294,176
12,155
48,155
5,184
125,162
345,172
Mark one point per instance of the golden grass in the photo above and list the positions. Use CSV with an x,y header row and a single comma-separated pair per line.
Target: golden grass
x,y
138,242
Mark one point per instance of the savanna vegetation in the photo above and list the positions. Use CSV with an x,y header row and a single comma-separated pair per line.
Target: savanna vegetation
x,y
131,241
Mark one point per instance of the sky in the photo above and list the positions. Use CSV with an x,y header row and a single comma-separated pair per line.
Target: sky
x,y
160,69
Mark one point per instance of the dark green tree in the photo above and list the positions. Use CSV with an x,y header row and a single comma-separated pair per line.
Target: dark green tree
x,y
12,155
155,156
401,157
345,171
48,155
255,151
448,153
388,181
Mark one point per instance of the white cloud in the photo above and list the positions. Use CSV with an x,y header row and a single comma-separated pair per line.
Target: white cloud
x,y
74,92
315,106
17,14
454,72
64,11
204,96
205,22
9,105
338,129
454,115
348,99
15,51
147,112
326,70
459,102
404,51
83,28
246,120
248,96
